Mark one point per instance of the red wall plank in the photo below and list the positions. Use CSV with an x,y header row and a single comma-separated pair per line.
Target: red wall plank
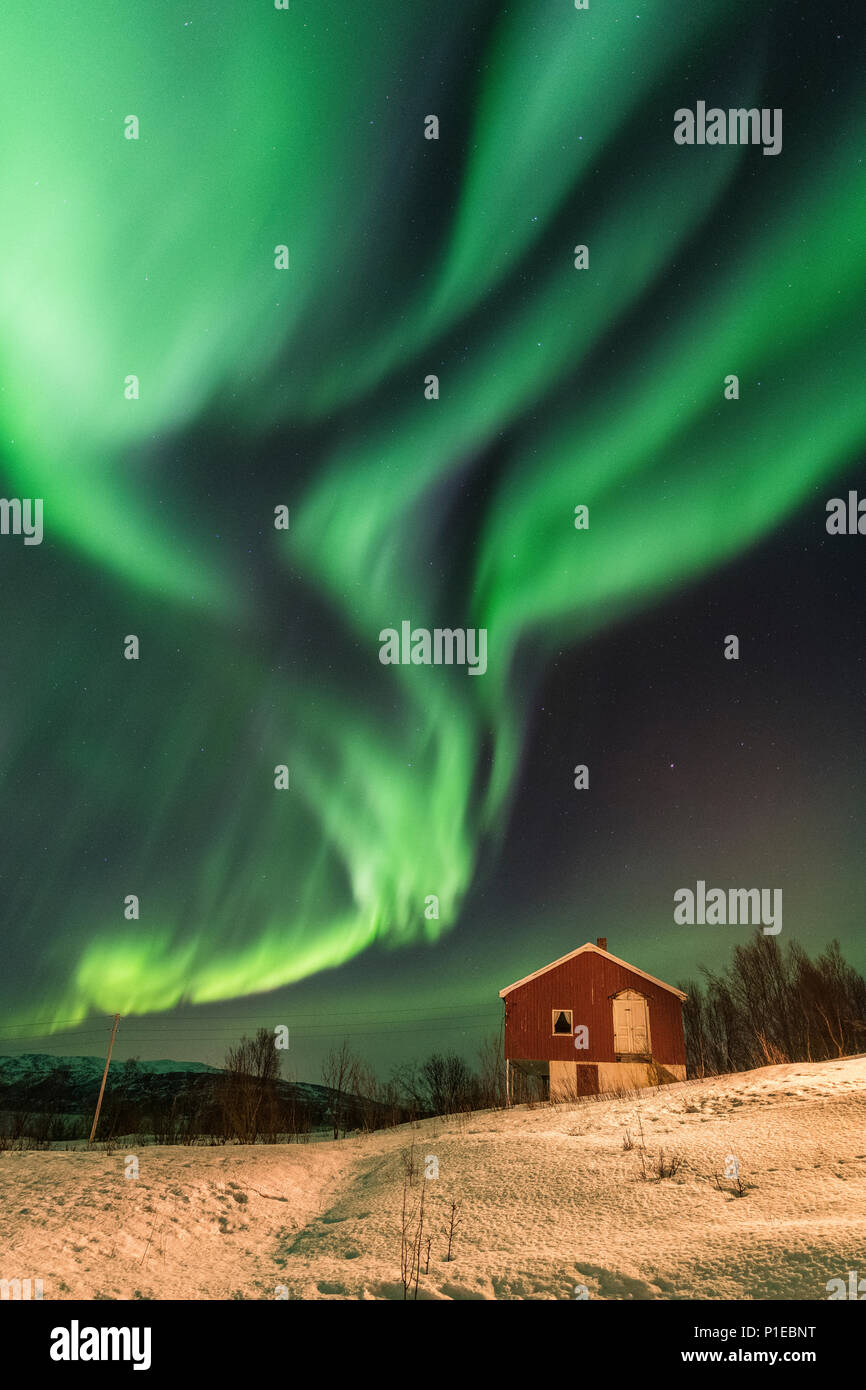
x,y
585,985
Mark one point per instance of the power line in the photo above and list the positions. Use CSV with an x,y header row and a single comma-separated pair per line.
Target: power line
x,y
214,1029
152,1020
416,1027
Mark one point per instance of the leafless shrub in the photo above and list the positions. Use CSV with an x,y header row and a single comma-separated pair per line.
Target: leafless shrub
x,y
453,1223
411,1239
738,1188
654,1169
410,1163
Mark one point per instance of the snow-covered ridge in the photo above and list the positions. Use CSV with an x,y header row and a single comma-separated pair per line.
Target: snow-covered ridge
x,y
33,1065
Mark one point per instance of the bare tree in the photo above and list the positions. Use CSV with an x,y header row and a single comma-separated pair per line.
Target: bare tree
x,y
248,1085
771,1006
341,1070
491,1080
451,1086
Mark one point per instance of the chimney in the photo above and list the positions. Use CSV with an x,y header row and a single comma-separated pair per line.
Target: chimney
x,y
601,941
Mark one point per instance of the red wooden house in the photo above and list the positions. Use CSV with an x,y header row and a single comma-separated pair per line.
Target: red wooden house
x,y
590,1022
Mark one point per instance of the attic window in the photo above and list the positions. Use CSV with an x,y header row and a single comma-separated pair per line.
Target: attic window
x,y
562,1021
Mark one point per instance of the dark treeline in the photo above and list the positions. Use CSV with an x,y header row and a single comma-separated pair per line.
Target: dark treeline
x,y
444,1084
249,1101
772,1005
255,1106
246,1103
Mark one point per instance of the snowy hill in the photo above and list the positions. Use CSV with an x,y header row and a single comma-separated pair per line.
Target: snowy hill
x,y
552,1201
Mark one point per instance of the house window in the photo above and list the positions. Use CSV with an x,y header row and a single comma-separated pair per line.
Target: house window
x,y
562,1021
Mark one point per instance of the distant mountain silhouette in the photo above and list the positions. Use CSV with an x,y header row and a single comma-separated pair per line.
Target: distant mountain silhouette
x,y
37,1082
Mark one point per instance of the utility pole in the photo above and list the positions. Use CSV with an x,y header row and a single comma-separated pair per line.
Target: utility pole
x,y
104,1077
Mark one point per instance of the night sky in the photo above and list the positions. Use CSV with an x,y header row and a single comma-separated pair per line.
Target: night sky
x,y
304,388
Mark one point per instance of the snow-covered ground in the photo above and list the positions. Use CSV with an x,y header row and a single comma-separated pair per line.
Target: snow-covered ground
x,y
550,1200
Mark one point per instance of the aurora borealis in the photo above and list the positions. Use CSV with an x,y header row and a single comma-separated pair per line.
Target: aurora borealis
x,y
304,388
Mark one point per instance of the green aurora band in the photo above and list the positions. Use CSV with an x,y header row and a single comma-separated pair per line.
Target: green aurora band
x,y
603,388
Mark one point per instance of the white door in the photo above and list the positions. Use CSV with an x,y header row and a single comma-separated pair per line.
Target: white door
x,y
631,1031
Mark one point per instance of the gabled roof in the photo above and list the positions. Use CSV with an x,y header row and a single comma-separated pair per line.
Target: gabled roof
x,y
607,955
